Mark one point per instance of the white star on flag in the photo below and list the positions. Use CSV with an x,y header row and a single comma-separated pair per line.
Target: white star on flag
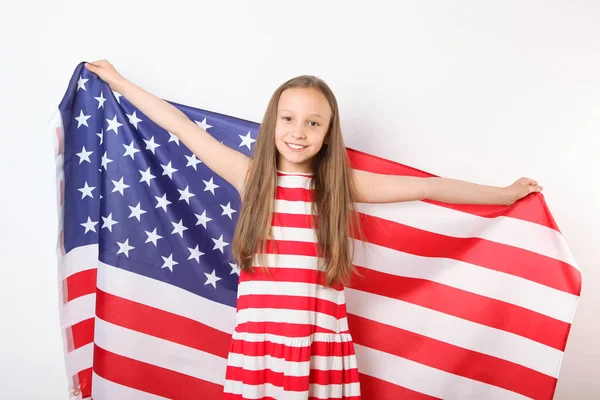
x,y
120,186
84,155
151,145
210,185
219,244
146,176
105,160
101,100
81,83
130,150
90,225
195,254
203,124
212,279
192,161
136,211
202,219
246,140
153,237
82,119
108,222
234,269
168,170
101,136
227,210
133,119
169,262
113,125
162,202
86,190
124,248
185,194
173,138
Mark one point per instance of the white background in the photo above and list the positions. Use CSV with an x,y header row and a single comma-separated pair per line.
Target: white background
x,y
486,91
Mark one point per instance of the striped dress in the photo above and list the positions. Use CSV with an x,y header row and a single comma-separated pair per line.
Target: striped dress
x,y
291,339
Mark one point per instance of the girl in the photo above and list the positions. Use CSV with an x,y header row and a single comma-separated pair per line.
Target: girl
x,y
292,242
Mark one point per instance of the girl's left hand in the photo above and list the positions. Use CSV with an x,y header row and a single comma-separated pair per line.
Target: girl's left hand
x,y
521,188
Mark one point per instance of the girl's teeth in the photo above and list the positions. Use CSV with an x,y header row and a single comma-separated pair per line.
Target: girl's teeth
x,y
295,146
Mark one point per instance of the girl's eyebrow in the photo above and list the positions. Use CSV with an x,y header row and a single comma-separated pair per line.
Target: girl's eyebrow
x,y
315,114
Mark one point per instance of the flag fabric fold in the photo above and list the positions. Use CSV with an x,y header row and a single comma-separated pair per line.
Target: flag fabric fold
x,y
453,302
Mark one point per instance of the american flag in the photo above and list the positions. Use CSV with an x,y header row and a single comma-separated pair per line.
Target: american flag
x,y
454,302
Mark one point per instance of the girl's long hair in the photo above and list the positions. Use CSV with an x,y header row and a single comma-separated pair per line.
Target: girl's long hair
x,y
334,195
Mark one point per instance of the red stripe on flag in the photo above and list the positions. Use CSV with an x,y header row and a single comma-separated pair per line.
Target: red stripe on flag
x,y
62,192
83,333
82,382
492,255
444,356
152,379
59,139
479,309
81,283
61,243
162,324
531,208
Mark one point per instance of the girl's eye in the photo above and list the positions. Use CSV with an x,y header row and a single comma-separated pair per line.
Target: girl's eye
x,y
289,118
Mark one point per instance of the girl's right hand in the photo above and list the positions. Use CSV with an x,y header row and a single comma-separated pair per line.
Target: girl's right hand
x,y
105,71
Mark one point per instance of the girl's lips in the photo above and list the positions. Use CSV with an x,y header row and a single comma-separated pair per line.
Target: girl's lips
x,y
294,149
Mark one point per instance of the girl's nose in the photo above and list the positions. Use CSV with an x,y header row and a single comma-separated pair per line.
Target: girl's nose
x,y
299,133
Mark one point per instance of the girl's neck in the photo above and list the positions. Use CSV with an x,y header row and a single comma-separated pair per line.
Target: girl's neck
x,y
294,172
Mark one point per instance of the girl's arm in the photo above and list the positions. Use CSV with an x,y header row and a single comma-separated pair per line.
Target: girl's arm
x,y
380,188
230,164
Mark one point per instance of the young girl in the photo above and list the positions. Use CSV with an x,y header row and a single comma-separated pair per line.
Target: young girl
x,y
292,241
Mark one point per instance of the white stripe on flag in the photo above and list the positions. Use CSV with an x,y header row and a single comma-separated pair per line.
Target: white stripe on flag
x,y
446,221
457,331
424,379
77,310
469,277
141,289
159,352
105,389
79,359
78,259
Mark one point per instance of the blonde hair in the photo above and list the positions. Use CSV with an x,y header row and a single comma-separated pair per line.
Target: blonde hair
x,y
332,181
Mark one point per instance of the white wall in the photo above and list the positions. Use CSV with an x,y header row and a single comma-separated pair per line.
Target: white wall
x,y
481,91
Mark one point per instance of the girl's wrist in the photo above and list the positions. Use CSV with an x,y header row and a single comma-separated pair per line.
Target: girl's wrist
x,y
509,195
117,84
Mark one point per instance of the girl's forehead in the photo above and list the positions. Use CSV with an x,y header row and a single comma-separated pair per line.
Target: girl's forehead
x,y
305,100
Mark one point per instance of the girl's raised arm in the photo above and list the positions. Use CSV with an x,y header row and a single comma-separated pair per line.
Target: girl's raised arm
x,y
230,164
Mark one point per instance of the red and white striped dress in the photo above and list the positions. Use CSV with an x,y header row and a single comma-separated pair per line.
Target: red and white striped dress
x,y
291,339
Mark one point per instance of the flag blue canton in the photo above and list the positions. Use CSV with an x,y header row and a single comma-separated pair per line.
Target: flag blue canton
x,y
134,189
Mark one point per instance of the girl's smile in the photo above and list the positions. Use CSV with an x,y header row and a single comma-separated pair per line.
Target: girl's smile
x,y
295,147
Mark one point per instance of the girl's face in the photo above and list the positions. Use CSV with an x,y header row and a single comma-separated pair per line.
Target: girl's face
x,y
302,120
